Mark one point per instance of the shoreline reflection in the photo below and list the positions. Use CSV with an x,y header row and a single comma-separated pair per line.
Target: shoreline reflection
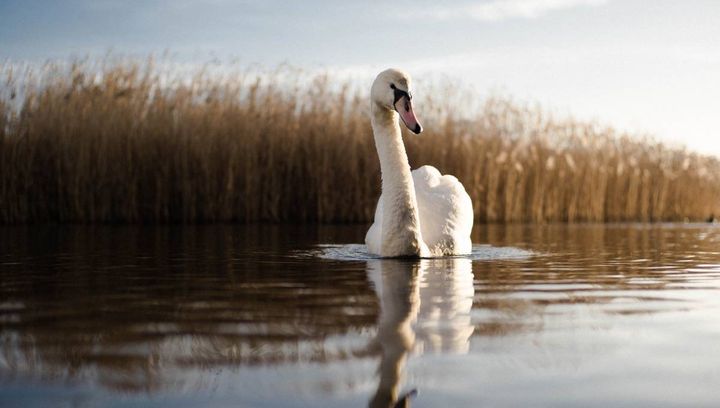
x,y
233,313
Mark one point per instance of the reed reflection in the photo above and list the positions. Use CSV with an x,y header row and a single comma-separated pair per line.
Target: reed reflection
x,y
424,307
154,309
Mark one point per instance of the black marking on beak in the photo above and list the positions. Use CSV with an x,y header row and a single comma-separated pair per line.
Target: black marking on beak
x,y
399,93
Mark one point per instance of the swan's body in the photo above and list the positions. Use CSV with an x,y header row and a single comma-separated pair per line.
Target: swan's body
x,y
420,213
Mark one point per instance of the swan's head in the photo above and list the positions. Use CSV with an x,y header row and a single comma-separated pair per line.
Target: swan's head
x,y
391,90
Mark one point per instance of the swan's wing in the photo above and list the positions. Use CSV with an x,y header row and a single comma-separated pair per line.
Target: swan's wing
x,y
446,213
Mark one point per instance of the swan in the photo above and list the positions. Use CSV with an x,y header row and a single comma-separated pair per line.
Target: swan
x,y
420,213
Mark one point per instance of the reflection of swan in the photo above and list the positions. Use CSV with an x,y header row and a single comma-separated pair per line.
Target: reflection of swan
x,y
422,213
396,284
435,296
446,297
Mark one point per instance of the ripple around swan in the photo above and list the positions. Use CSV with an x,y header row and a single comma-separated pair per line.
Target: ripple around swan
x,y
359,252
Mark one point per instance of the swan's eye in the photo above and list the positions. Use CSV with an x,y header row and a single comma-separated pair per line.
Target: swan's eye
x,y
392,86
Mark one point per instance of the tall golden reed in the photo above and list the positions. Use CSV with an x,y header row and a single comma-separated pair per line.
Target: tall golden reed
x,y
125,142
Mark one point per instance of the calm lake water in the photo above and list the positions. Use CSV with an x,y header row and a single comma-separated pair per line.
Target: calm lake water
x,y
288,316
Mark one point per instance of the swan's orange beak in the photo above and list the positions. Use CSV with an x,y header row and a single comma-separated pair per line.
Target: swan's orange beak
x,y
403,106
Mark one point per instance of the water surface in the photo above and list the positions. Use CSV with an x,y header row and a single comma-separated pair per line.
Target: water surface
x,y
289,316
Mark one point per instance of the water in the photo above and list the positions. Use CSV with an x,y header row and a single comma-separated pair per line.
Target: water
x,y
278,316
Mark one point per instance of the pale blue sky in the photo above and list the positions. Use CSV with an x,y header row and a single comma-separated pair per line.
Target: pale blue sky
x,y
650,66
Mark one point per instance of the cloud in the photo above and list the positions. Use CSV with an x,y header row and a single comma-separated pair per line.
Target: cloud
x,y
497,10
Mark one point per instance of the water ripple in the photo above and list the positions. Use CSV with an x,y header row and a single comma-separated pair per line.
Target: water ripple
x,y
358,252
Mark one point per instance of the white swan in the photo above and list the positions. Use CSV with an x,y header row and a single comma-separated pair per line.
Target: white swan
x,y
420,214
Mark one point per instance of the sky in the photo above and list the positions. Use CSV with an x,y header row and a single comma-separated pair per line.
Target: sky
x,y
650,67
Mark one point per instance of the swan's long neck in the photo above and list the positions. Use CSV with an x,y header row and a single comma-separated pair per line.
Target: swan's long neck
x,y
401,218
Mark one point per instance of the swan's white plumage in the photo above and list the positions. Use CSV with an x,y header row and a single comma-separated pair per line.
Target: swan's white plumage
x,y
446,214
419,213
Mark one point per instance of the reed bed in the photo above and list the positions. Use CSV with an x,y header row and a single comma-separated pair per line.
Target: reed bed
x,y
130,142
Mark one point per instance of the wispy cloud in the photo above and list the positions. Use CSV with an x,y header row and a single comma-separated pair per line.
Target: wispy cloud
x,y
497,10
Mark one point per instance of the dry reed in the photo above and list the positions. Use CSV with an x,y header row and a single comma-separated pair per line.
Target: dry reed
x,y
125,142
